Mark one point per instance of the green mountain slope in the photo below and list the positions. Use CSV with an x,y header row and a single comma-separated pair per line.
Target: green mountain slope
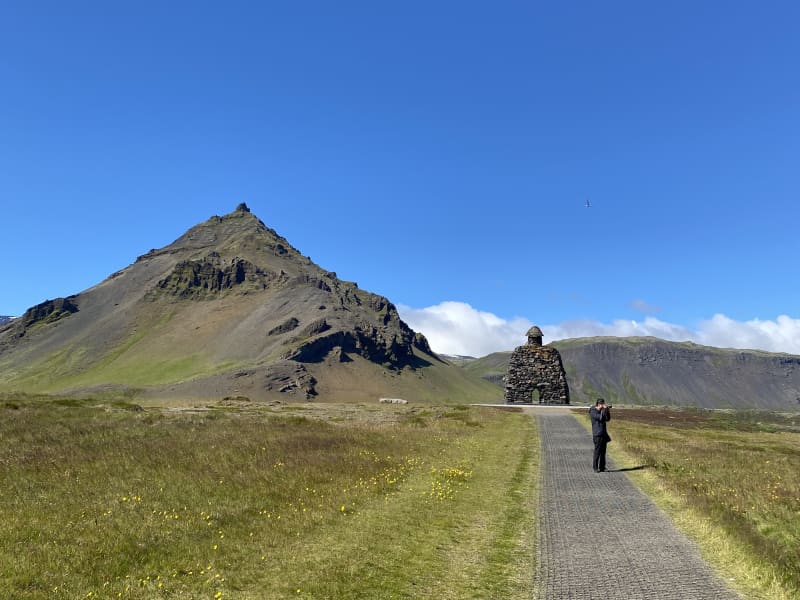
x,y
229,308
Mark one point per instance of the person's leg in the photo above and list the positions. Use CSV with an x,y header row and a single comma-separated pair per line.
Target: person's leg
x,y
598,440
601,461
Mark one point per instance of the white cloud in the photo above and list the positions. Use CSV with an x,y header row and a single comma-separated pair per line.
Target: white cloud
x,y
458,328
780,335
621,328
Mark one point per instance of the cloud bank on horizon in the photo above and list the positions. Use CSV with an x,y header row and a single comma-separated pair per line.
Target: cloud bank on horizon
x,y
458,328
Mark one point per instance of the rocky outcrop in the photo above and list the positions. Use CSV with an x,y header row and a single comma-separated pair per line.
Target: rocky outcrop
x,y
207,278
288,325
361,323
290,378
47,312
285,377
393,351
421,343
311,281
316,326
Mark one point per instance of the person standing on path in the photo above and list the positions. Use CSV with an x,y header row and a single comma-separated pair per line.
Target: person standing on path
x,y
600,414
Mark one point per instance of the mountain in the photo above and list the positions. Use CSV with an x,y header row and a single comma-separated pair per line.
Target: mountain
x,y
4,319
492,367
646,370
228,309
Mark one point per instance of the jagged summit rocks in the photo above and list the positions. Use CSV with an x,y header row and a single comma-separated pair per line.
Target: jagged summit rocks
x,y
230,307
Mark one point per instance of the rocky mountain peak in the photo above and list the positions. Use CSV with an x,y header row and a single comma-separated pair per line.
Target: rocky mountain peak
x,y
229,297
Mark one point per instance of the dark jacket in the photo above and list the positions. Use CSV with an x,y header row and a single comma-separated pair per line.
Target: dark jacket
x,y
599,419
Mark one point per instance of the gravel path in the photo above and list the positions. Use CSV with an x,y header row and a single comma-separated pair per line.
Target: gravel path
x,y
587,517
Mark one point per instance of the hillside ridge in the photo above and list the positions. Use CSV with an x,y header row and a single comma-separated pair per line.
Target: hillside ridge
x,y
229,308
652,371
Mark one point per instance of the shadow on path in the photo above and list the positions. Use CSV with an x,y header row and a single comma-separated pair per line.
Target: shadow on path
x,y
637,468
600,537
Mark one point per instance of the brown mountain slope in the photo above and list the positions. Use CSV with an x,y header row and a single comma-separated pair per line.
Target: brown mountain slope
x,y
229,308
648,370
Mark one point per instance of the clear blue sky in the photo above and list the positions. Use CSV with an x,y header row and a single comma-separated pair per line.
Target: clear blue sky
x,y
438,153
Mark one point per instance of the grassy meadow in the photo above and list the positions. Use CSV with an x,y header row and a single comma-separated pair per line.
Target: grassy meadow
x,y
106,500
731,480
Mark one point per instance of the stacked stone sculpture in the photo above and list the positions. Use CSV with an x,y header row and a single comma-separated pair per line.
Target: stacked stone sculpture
x,y
535,373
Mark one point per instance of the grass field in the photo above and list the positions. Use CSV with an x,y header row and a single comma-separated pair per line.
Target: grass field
x,y
731,479
105,500
101,499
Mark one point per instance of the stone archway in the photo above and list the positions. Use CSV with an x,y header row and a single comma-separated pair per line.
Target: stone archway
x,y
536,372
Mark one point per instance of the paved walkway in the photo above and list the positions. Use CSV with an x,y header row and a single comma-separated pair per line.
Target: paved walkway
x,y
589,517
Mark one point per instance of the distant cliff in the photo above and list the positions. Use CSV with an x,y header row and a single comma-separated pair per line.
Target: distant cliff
x,y
654,371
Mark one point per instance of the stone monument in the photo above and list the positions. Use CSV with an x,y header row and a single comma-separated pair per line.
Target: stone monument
x,y
535,374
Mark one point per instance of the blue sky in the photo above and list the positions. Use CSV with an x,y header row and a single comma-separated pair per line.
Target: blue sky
x,y
438,153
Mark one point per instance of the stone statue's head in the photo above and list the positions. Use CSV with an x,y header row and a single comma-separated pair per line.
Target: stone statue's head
x,y
534,336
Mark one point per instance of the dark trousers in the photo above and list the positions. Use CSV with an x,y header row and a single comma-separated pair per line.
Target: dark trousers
x,y
599,458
